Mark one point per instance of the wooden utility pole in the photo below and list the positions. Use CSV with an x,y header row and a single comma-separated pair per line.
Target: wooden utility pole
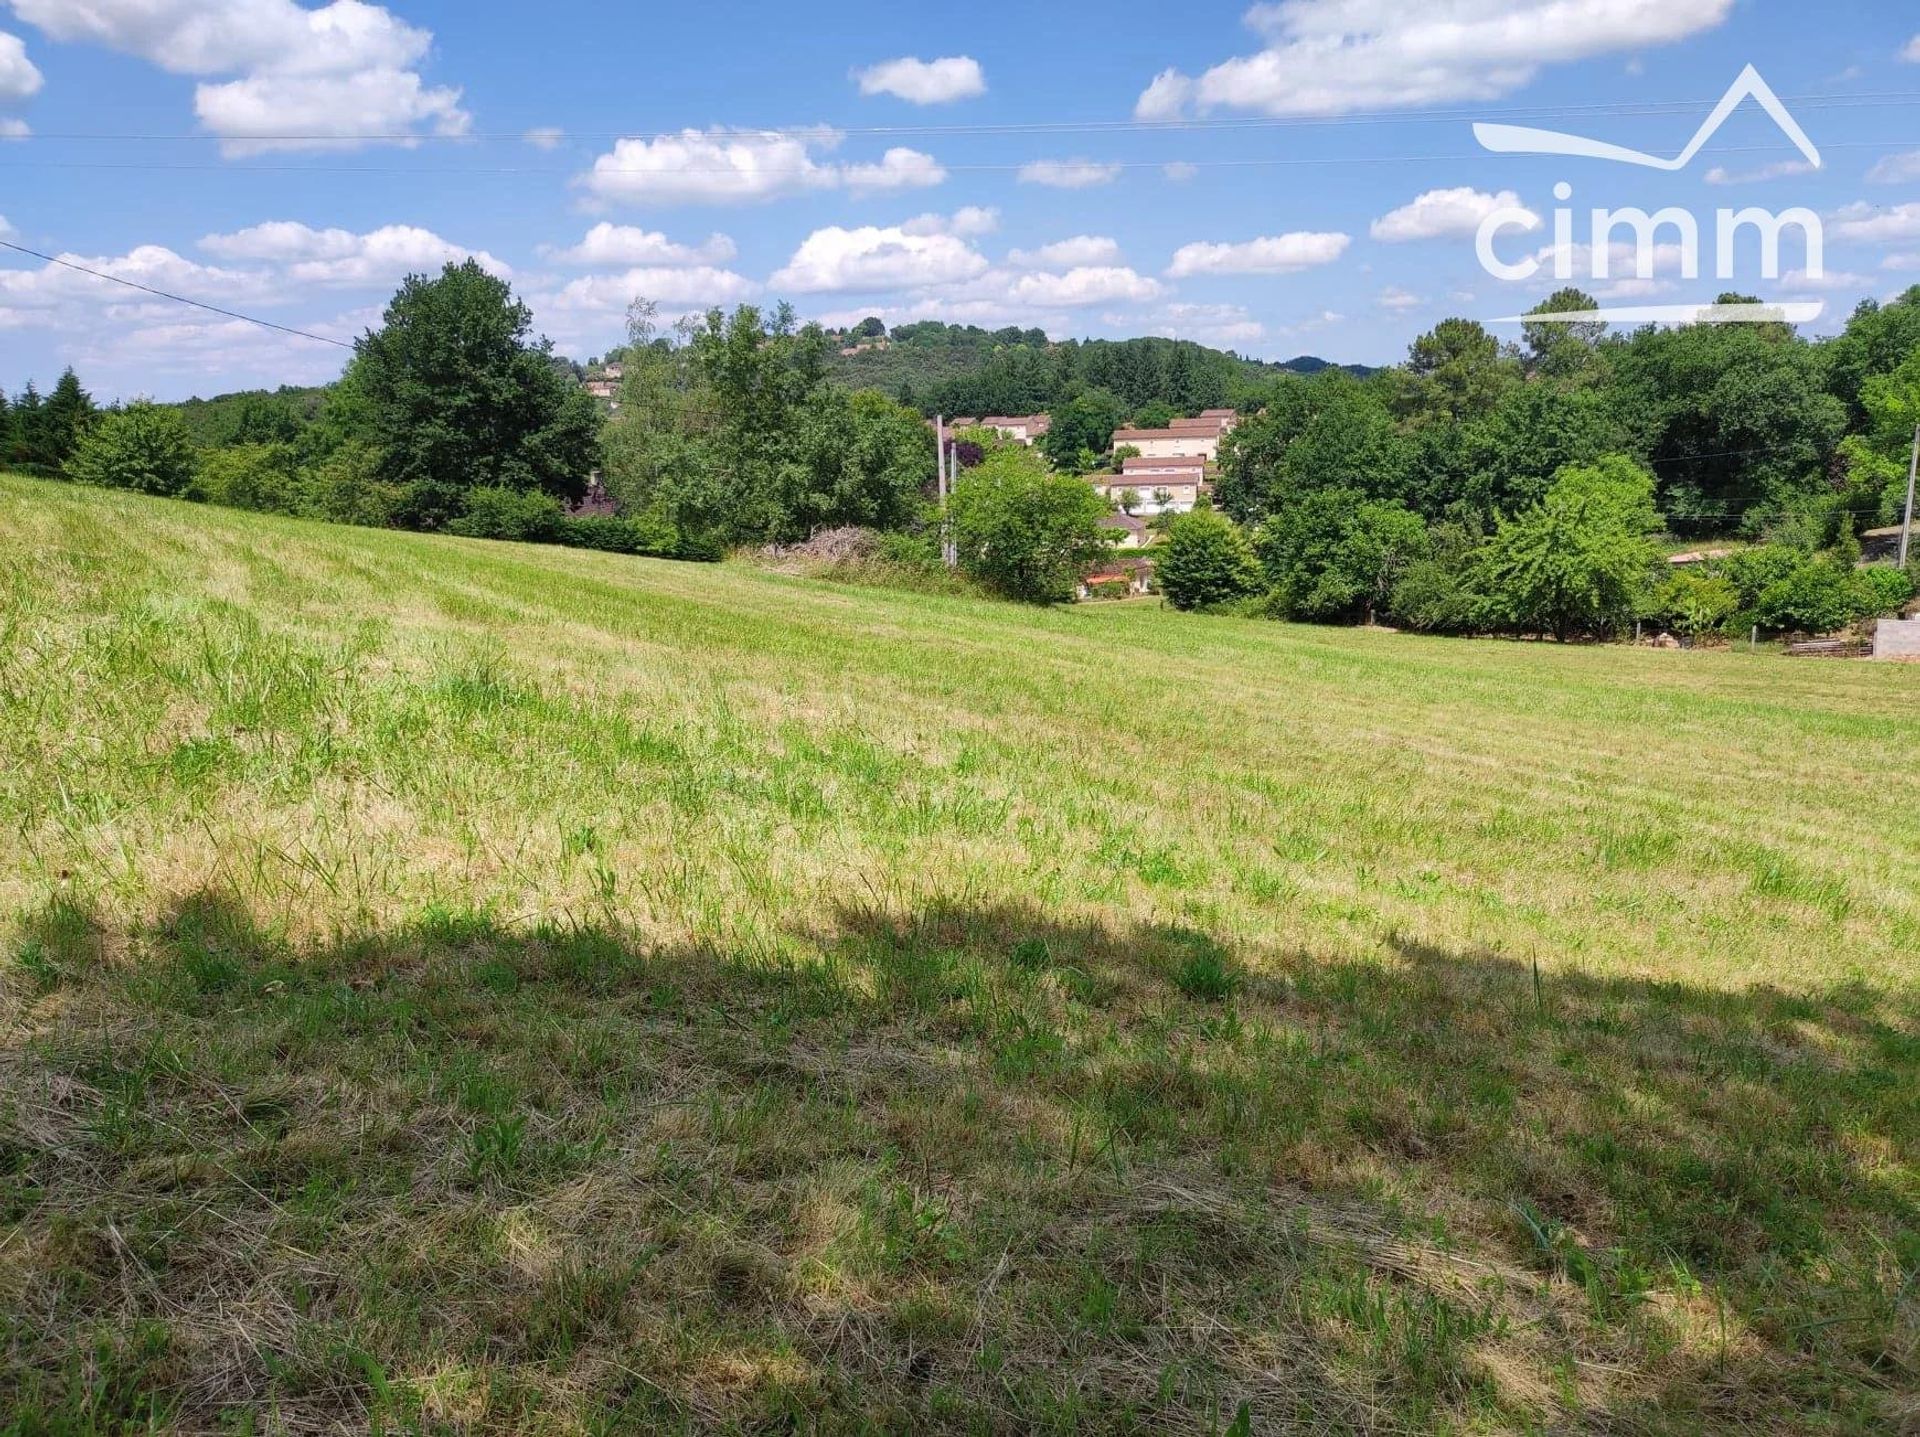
x,y
1913,473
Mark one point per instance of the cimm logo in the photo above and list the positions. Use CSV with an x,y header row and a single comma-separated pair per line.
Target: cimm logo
x,y
1614,233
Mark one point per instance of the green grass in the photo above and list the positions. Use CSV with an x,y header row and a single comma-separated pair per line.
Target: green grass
x,y
455,987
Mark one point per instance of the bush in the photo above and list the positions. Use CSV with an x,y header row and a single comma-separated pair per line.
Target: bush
x,y
496,512
1581,560
1207,561
1882,591
261,477
1818,597
346,489
142,447
1694,603
1025,533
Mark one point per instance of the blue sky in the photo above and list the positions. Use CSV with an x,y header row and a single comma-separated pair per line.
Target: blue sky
x,y
1298,177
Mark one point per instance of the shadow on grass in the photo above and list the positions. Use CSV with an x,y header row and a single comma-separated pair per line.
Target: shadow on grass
x,y
967,1167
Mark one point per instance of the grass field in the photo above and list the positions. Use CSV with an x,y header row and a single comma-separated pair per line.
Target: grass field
x,y
459,987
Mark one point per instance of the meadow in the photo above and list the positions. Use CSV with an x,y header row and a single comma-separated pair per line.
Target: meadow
x,y
449,986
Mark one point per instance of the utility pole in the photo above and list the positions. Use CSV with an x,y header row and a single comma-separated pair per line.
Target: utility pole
x,y
941,463
1913,473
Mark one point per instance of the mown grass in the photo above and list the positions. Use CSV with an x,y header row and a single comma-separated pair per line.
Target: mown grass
x,y
461,987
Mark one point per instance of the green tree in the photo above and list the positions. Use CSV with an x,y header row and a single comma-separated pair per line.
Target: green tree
x,y
262,477
456,394
856,459
1454,372
1024,532
1082,427
68,413
1563,349
1205,561
142,447
1879,459
1580,561
1157,415
1335,555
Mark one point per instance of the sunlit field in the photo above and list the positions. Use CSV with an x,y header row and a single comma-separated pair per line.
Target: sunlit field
x,y
459,987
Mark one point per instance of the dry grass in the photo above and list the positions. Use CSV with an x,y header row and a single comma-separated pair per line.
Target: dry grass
x,y
461,987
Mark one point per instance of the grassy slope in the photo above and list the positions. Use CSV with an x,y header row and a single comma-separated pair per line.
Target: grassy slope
x,y
502,988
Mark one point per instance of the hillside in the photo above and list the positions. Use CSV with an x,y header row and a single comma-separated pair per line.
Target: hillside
x,y
461,986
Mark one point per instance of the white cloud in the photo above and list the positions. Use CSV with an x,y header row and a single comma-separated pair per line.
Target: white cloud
x,y
19,79
969,222
339,258
11,129
1066,253
1179,171
608,295
899,169
1786,169
5,227
1224,326
1912,52
1325,319
873,258
1330,57
745,166
1898,169
609,244
1796,281
1869,224
1901,263
925,82
1068,174
1399,300
545,137
1272,254
1445,214
1083,285
54,294
344,73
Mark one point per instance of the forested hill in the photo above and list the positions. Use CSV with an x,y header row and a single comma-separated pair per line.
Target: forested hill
x,y
963,369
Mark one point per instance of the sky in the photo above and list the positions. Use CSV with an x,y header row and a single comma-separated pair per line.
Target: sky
x,y
1295,177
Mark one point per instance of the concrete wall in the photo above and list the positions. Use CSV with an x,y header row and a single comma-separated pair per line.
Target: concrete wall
x,y
1897,639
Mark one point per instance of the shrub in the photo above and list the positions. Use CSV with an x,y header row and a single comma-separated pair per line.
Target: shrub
x,y
261,477
1818,597
1207,561
1881,591
142,447
496,512
1023,532
1580,561
346,488
1694,603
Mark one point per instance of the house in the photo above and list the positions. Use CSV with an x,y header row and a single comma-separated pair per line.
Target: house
x,y
1226,419
603,388
1022,428
1122,579
1160,486
1128,532
1172,442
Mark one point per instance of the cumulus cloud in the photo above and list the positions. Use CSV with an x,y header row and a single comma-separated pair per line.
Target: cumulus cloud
x,y
1445,214
1272,254
1179,171
1912,52
340,258
609,244
899,169
1869,224
545,137
608,295
969,222
1067,253
1068,174
1399,300
722,166
1786,169
1082,285
1896,169
345,73
925,82
19,78
53,294
1330,57
1225,326
871,257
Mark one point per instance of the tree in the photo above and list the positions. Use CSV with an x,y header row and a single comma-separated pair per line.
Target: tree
x,y
456,393
1563,349
1157,415
1335,555
1024,532
1081,427
872,327
857,459
1879,458
1580,560
1205,562
142,447
68,412
1454,372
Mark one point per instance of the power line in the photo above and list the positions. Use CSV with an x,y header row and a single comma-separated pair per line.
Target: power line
x,y
176,298
557,172
1870,100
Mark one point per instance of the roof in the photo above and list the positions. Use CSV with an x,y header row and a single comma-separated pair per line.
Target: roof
x,y
1128,436
1173,461
1219,414
1124,521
